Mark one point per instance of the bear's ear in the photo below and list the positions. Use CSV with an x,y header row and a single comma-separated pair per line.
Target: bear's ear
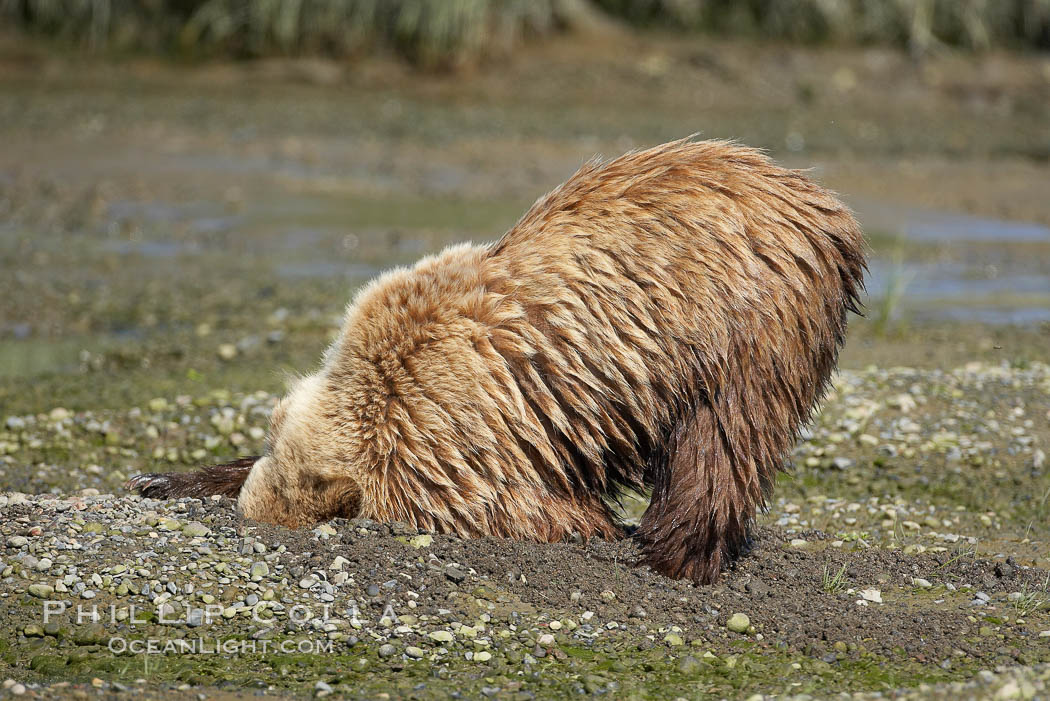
x,y
297,500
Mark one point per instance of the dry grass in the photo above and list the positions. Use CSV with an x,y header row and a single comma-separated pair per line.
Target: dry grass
x,y
430,32
919,24
424,31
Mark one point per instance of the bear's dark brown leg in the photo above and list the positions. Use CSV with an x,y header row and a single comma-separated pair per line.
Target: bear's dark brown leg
x,y
703,502
225,480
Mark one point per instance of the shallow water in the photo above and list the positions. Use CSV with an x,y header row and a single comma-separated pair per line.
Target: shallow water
x,y
934,226
972,277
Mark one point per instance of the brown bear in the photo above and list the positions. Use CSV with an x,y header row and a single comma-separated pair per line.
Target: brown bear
x,y
664,320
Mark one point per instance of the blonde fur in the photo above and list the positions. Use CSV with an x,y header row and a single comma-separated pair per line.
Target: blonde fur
x,y
667,319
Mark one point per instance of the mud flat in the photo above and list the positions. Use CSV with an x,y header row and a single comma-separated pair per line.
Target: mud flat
x,y
175,240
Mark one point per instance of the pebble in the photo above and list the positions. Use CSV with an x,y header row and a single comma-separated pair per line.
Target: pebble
x,y
421,541
738,623
195,529
41,591
872,595
689,665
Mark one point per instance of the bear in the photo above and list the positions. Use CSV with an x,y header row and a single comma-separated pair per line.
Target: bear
x,y
667,320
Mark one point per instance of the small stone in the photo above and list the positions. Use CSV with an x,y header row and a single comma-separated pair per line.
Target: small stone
x,y
195,529
258,571
307,582
227,351
799,542
41,591
414,652
483,656
386,650
421,541
872,595
441,636
17,689
17,541
594,684
90,634
455,574
608,596
1009,690
674,640
689,665
738,623
921,583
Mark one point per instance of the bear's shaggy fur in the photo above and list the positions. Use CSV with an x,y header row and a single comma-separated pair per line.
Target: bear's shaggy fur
x,y
664,320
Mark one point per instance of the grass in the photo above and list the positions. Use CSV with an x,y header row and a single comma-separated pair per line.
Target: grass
x,y
1031,600
424,31
921,25
450,32
834,583
887,309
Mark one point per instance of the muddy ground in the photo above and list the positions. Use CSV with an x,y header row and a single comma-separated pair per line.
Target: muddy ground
x,y
176,240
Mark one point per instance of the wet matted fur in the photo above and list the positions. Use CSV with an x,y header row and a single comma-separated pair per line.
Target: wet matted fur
x,y
665,320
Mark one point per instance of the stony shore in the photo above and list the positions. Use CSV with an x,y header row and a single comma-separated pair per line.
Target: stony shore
x,y
888,561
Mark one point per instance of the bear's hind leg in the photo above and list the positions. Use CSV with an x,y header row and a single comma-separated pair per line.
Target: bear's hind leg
x,y
704,500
